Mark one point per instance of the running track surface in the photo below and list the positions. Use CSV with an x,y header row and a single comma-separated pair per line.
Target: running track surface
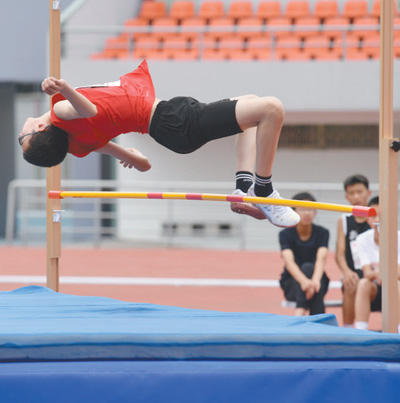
x,y
155,267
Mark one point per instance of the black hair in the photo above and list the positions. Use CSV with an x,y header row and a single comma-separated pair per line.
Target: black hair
x,y
374,201
304,196
48,147
354,180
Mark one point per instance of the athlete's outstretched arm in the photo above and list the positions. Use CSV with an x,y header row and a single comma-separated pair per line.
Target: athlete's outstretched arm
x,y
128,157
76,105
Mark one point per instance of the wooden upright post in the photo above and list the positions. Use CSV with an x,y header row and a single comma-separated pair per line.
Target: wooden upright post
x,y
388,177
53,174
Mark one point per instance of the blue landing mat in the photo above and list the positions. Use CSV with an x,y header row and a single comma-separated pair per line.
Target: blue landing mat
x,y
200,382
38,324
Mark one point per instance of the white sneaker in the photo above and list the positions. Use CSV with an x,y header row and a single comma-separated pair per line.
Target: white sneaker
x,y
281,216
246,208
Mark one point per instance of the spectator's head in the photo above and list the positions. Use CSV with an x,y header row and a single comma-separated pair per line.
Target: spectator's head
x,y
306,214
356,189
46,147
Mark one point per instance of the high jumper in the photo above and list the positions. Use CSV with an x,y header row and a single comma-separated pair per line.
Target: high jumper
x,y
86,119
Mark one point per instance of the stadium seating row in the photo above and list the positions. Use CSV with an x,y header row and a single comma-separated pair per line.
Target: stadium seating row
x,y
238,34
182,9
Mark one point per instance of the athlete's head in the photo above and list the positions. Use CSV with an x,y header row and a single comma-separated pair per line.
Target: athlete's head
x,y
46,147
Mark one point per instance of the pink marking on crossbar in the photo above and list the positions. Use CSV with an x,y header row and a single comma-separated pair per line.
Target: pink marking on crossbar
x,y
55,194
154,195
193,196
235,198
364,211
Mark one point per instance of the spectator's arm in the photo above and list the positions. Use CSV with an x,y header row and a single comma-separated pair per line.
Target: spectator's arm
x,y
370,273
340,255
305,283
319,266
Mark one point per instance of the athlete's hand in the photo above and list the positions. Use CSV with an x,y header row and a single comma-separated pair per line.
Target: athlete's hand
x,y
51,85
136,160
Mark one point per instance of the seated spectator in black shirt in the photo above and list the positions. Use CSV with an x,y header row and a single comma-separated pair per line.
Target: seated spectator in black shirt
x,y
304,251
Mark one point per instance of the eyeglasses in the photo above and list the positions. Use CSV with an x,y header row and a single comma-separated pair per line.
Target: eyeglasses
x,y
20,138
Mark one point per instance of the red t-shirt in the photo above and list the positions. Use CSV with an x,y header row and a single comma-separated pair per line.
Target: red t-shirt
x,y
120,109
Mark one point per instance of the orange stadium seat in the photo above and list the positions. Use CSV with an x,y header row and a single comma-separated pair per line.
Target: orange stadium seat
x,y
396,23
117,47
175,47
355,8
344,46
190,54
326,54
326,8
279,27
164,27
376,8
260,47
114,48
289,48
146,47
269,9
313,45
296,9
159,55
221,27
396,46
356,54
306,26
240,55
205,46
336,27
372,45
182,9
240,9
149,10
250,27
209,50
139,24
215,55
296,55
192,28
229,44
365,26
212,9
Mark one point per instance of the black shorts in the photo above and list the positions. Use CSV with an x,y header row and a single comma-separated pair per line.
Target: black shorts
x,y
184,124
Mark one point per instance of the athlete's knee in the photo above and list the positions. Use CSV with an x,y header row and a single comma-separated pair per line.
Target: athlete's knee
x,y
274,108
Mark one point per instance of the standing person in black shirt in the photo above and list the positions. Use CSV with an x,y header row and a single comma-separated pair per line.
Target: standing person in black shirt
x,y
304,250
357,192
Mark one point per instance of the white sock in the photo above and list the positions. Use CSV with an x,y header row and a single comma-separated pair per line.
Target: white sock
x,y
348,326
361,325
